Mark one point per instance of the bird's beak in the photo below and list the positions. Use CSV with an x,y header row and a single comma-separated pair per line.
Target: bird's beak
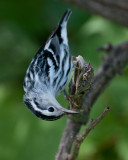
x,y
67,111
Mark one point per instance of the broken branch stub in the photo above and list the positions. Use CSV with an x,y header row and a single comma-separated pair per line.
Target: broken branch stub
x,y
80,83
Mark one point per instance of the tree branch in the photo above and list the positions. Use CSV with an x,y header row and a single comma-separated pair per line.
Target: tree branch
x,y
79,139
113,64
114,10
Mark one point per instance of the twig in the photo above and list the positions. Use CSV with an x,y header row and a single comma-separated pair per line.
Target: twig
x,y
80,138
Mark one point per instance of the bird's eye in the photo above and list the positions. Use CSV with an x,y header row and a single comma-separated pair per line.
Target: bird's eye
x,y
51,109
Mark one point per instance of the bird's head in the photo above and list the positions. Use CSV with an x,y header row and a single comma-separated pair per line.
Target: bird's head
x,y
45,106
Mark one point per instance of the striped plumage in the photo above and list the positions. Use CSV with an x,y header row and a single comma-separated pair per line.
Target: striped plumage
x,y
48,74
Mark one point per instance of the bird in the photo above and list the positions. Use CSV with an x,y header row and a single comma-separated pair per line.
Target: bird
x,y
48,74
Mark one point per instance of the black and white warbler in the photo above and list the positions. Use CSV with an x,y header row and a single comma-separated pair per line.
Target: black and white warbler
x,y
48,74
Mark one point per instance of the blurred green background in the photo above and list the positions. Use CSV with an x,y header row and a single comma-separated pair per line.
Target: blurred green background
x,y
24,26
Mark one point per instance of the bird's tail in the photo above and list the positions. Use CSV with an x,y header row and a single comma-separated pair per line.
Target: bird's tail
x,y
65,17
61,29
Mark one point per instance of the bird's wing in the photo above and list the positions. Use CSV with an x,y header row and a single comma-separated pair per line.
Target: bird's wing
x,y
52,63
